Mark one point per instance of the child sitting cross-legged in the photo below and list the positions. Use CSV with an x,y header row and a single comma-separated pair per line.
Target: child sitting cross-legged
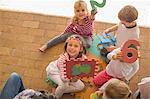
x,y
81,24
74,48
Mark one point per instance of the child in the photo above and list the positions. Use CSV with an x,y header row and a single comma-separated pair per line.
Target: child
x,y
74,48
14,89
127,28
82,24
144,89
115,89
117,68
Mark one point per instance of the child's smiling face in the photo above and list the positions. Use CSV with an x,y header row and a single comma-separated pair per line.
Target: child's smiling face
x,y
73,48
80,11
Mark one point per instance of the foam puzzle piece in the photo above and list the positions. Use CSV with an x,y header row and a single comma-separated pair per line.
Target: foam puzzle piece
x,y
106,40
80,68
94,3
126,50
88,81
93,49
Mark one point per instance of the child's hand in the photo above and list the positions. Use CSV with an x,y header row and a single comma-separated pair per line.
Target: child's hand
x,y
111,48
74,79
117,56
139,54
98,93
93,12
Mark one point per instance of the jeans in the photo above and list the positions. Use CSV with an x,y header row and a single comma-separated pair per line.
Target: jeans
x,y
58,39
63,37
12,87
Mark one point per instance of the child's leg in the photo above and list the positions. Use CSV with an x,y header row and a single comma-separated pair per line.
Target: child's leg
x,y
74,87
12,87
101,78
56,40
61,85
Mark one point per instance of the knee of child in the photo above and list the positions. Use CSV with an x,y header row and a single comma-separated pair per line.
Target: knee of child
x,y
61,86
15,76
81,86
96,82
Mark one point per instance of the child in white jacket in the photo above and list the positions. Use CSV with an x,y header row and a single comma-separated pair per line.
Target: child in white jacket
x,y
74,48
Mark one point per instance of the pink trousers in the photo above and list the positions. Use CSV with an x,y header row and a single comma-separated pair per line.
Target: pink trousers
x,y
101,78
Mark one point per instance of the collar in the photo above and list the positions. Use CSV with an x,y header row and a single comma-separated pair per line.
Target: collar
x,y
131,26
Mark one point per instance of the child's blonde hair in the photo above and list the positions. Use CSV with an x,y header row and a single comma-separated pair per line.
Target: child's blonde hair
x,y
128,13
117,89
77,4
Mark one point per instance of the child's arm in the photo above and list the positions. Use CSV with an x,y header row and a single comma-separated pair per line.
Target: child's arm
x,y
111,29
93,13
115,54
61,65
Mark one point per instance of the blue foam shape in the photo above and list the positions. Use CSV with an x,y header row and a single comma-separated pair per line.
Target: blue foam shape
x,y
104,40
93,49
112,37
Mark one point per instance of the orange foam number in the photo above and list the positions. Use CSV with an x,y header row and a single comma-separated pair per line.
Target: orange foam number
x,y
132,51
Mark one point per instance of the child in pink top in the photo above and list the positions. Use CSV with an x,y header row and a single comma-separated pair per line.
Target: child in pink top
x,y
82,24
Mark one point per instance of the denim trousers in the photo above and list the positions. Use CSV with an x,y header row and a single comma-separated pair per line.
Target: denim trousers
x,y
58,39
63,37
12,87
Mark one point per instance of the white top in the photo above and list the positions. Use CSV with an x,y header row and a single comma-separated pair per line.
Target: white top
x,y
123,34
119,69
52,68
144,87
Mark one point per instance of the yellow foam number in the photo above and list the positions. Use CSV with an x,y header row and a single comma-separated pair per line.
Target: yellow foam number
x,y
94,3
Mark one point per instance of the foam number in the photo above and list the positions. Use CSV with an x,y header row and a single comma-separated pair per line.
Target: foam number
x,y
80,68
130,54
94,3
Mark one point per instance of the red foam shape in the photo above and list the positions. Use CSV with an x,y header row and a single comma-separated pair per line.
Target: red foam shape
x,y
125,50
71,63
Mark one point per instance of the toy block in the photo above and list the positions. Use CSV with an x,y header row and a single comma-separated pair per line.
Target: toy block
x,y
106,40
80,68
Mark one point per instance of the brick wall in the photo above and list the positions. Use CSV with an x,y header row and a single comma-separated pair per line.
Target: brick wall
x,y
21,34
